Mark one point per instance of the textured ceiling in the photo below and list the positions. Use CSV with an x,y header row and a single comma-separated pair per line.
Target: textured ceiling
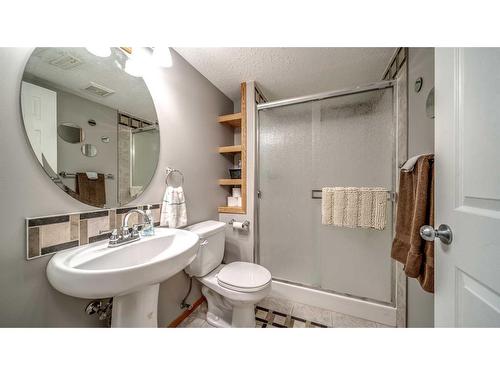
x,y
288,72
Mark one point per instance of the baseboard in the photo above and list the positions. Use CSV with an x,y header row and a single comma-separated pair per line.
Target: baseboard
x,y
186,313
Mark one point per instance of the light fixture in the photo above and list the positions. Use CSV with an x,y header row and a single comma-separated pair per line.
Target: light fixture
x,y
162,57
140,59
134,67
99,51
137,62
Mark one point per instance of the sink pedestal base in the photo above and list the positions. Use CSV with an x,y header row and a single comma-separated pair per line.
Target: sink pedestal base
x,y
138,309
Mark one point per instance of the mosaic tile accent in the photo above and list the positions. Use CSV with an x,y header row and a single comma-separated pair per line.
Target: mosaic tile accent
x,y
58,247
91,215
47,235
33,242
287,314
265,318
47,220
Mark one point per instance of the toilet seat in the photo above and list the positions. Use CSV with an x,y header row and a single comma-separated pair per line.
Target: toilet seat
x,y
244,277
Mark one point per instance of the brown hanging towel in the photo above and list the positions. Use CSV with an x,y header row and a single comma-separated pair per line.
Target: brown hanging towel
x,y
89,191
416,208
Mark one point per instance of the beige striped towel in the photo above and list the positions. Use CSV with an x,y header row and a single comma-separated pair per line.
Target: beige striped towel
x,y
326,206
353,207
365,208
338,206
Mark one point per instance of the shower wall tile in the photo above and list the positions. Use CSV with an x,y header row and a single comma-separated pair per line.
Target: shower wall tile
x,y
124,136
50,234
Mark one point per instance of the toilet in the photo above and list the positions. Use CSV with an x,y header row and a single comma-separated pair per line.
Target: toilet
x,y
232,290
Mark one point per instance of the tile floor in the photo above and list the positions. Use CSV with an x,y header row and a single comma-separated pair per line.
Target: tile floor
x,y
280,313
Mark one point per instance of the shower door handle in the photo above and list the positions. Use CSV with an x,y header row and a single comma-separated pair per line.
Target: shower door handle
x,y
259,194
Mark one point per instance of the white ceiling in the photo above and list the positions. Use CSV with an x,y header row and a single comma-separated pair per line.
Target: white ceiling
x,y
288,72
131,93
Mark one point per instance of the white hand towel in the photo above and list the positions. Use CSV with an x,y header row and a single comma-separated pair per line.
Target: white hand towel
x,y
92,175
173,209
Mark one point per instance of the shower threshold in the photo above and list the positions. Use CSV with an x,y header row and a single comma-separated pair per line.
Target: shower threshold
x,y
377,311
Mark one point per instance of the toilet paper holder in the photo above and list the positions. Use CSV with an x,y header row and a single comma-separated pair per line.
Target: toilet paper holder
x,y
245,225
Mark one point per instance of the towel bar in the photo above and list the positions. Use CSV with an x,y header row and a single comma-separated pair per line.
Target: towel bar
x,y
316,194
69,175
171,171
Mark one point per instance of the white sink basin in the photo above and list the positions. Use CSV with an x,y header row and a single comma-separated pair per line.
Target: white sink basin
x,y
129,273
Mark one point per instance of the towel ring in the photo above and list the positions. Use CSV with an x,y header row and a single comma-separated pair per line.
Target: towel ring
x,y
171,171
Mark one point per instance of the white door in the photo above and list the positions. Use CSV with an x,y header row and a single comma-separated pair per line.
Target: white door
x,y
39,107
467,167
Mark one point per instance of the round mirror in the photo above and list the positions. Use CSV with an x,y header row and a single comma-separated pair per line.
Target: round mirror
x,y
70,96
89,150
70,133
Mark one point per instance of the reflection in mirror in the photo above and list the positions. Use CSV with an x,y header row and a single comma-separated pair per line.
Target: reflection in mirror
x,y
70,96
89,150
71,133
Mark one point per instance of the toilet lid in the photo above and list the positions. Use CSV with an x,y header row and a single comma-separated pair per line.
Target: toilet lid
x,y
243,276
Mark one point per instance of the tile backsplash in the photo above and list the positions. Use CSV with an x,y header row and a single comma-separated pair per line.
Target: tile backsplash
x,y
49,234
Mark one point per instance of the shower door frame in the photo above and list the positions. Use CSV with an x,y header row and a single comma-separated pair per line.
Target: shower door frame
x,y
399,142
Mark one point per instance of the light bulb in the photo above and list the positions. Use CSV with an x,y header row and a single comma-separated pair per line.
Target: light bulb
x,y
138,62
134,67
99,51
162,57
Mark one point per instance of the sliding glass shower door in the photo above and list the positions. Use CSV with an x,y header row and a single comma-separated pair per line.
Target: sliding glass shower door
x,y
345,140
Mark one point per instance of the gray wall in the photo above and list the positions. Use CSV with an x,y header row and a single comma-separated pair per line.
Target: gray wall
x,y
420,140
187,106
78,110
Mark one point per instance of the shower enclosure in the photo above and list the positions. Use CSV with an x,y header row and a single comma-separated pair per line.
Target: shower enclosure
x,y
341,138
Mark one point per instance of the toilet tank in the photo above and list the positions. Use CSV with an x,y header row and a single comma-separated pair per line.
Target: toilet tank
x,y
210,248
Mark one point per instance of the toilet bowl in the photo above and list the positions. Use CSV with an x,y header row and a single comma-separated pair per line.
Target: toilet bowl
x,y
232,290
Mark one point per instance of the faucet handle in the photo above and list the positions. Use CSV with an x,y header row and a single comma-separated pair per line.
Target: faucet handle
x,y
135,231
113,239
125,232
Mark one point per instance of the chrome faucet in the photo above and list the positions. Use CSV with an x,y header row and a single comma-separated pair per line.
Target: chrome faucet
x,y
125,236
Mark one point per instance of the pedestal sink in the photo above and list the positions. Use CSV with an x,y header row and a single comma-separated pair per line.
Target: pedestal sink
x,y
130,273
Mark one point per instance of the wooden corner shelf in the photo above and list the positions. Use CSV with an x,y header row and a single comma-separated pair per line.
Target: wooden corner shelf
x,y
230,181
233,119
229,149
239,122
231,210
